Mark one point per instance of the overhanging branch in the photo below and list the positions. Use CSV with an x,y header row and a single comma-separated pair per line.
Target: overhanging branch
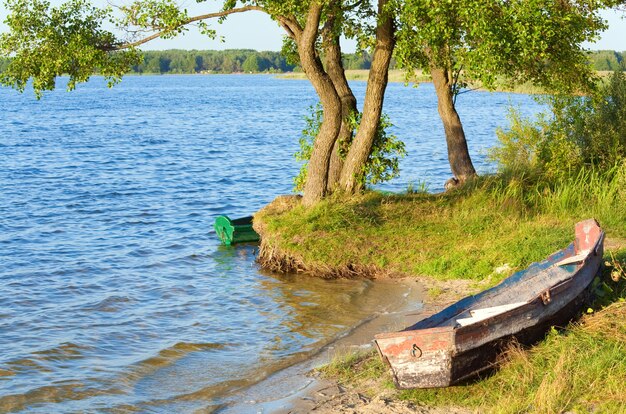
x,y
223,13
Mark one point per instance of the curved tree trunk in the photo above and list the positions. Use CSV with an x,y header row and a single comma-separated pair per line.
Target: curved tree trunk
x,y
317,176
335,69
352,174
458,154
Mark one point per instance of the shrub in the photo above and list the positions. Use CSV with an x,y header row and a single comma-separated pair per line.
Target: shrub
x,y
576,132
382,164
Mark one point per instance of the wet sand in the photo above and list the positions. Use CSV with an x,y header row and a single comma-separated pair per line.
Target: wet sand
x,y
297,389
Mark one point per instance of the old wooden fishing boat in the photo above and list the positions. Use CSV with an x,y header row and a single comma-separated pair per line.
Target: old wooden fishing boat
x,y
465,338
235,231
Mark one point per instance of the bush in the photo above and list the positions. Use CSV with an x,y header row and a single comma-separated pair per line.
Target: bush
x,y
576,132
382,164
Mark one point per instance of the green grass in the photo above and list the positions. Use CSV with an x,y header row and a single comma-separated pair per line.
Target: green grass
x,y
512,219
494,221
580,369
398,76
395,75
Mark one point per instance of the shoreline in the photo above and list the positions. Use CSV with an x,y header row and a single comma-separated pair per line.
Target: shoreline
x,y
460,246
299,389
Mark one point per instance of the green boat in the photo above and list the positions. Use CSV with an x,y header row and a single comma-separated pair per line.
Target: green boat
x,y
235,231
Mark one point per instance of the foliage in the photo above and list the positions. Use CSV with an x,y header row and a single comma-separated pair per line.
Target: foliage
x,y
607,60
382,164
467,233
163,16
578,131
313,123
77,39
353,61
252,64
45,42
175,61
212,61
536,148
538,41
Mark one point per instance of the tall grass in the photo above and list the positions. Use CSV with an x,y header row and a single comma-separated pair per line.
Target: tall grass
x,y
591,191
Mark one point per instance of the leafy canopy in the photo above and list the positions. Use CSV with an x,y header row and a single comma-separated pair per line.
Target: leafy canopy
x,y
45,42
79,39
524,40
383,163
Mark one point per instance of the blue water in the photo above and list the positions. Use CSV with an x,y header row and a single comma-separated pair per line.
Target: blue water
x,y
115,294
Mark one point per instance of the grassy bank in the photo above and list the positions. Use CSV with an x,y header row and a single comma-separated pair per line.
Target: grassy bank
x,y
397,75
579,369
482,232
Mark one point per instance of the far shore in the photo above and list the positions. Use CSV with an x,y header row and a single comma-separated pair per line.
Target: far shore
x,y
395,76
359,75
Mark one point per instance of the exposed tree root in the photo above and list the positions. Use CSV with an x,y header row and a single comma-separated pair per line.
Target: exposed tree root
x,y
275,260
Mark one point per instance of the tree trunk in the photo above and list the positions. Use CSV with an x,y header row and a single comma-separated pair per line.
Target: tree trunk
x,y
458,154
317,175
352,179
335,69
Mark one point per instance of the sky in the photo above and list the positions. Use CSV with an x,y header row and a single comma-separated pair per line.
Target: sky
x,y
255,30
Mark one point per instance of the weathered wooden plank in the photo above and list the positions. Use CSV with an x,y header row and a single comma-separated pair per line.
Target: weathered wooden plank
x,y
573,259
418,357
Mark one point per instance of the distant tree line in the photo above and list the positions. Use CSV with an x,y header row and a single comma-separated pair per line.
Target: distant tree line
x,y
228,61
176,61
608,60
211,61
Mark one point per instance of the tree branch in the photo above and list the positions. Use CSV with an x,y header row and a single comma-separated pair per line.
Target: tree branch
x,y
291,26
311,28
223,13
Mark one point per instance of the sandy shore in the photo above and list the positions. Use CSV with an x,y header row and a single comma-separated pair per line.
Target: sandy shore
x,y
297,389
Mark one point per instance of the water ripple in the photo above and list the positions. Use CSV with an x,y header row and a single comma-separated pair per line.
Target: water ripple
x,y
115,293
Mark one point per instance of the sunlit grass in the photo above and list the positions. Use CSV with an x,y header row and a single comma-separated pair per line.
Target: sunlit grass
x,y
498,221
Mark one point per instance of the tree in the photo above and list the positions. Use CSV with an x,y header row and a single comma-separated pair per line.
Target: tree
x,y
49,41
251,64
352,172
606,60
464,41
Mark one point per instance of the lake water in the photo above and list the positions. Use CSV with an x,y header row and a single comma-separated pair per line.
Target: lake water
x,y
115,294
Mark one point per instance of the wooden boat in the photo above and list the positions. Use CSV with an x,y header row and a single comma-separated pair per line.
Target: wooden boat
x,y
466,337
235,231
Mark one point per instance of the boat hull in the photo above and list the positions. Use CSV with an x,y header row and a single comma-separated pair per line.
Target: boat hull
x,y
427,356
235,231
